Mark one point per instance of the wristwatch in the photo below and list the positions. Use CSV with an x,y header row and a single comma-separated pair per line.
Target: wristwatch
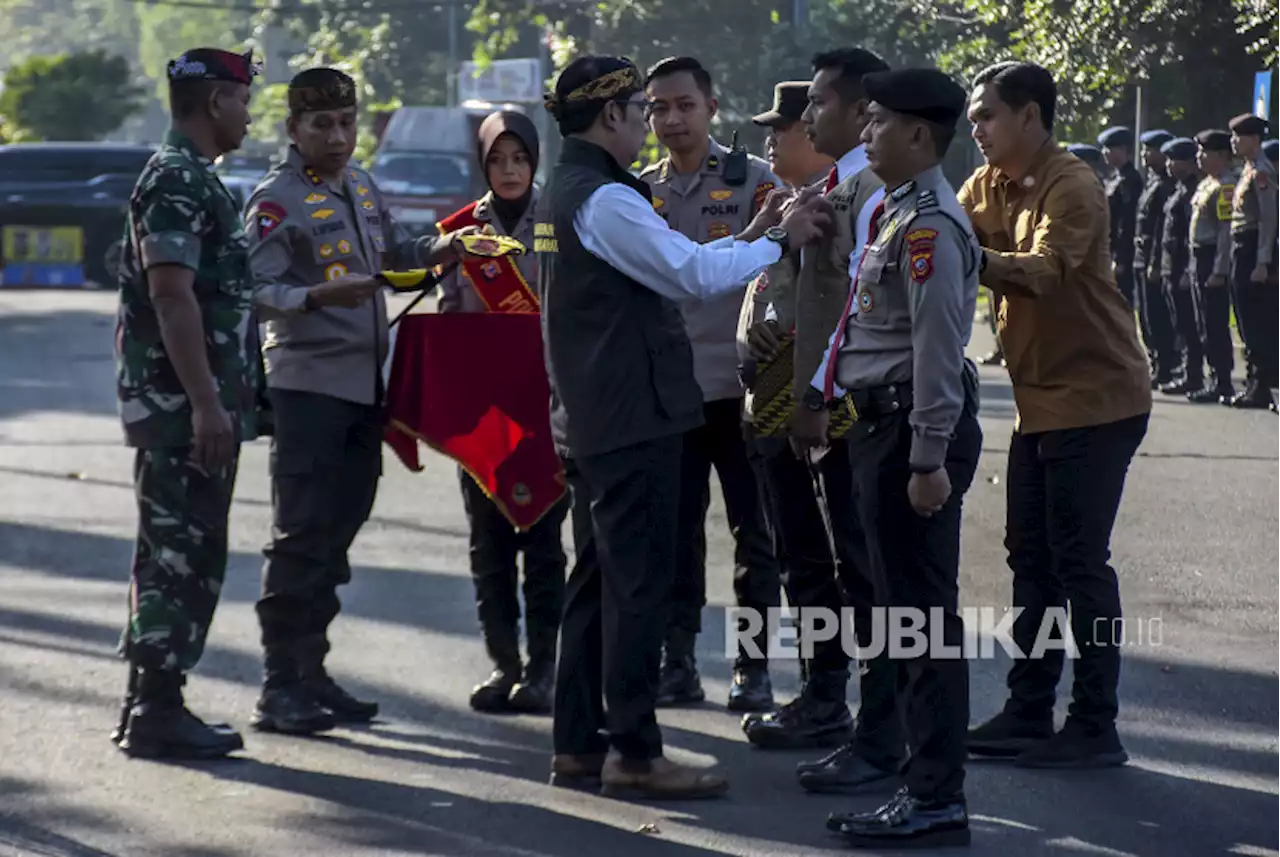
x,y
814,400
779,236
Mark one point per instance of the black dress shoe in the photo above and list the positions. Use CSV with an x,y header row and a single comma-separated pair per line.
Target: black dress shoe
x,y
345,707
1257,400
1210,395
1178,388
800,724
680,683
291,710
493,695
534,695
751,690
1077,745
1007,735
909,822
844,772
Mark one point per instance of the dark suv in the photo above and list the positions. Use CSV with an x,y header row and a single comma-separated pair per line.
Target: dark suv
x,y
62,211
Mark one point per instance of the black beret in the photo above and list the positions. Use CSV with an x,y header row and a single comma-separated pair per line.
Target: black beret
x,y
1116,137
1155,138
1179,149
922,92
1214,140
213,64
1271,149
790,99
1248,125
321,89
1085,152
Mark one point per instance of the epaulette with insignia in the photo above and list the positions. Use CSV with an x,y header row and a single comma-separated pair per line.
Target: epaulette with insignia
x,y
927,199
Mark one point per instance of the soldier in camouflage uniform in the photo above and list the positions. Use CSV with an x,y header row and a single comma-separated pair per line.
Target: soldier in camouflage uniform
x,y
186,342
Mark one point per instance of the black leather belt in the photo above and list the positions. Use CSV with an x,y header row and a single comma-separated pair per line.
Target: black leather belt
x,y
873,403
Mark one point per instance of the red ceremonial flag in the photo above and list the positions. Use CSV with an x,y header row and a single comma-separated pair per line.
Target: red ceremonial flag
x,y
473,387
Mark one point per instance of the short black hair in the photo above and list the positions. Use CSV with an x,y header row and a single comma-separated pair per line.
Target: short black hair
x,y
1020,83
188,97
853,64
942,136
675,65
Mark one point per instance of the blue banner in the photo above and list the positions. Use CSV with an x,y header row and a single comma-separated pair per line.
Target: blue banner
x,y
1262,95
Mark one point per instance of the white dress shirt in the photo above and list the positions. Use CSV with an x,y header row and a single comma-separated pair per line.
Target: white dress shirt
x,y
619,226
852,162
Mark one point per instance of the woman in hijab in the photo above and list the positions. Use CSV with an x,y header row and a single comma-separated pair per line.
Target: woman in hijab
x,y
508,153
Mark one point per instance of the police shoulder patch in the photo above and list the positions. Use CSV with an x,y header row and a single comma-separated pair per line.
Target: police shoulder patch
x,y
920,246
267,216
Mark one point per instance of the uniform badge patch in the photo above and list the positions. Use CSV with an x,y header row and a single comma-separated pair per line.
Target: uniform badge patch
x,y
719,230
900,192
267,216
315,180
326,250
490,270
713,163
344,247
658,202
315,198
337,269
917,235
721,195
362,190
1226,195
762,193
366,204
322,214
865,302
920,247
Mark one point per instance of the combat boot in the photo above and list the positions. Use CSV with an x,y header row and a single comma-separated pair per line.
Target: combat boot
x,y
285,705
534,694
680,683
160,726
818,717
324,690
493,695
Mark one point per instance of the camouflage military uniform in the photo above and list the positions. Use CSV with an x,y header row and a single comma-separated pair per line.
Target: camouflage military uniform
x,y
180,214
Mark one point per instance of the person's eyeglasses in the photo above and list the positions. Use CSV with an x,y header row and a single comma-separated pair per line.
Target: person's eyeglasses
x,y
645,106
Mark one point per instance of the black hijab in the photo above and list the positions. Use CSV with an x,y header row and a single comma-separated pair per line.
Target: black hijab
x,y
520,127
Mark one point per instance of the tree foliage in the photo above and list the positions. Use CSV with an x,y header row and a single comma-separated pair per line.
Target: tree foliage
x,y
81,96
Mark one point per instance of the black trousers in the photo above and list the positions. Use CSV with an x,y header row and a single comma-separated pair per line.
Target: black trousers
x,y
624,525
721,443
495,549
813,580
1157,326
1212,306
1256,310
1182,308
326,459
1064,490
1126,280
916,561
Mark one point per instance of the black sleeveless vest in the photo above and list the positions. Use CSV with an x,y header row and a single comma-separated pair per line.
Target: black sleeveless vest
x,y
618,358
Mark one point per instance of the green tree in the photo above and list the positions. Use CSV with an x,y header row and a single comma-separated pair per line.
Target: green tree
x,y
81,96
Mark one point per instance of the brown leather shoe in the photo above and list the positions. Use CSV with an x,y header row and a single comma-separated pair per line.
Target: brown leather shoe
x,y
657,779
577,772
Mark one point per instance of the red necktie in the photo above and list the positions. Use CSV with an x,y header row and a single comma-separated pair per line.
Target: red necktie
x,y
828,384
833,179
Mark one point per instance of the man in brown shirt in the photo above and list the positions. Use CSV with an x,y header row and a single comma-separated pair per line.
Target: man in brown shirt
x,y
1082,389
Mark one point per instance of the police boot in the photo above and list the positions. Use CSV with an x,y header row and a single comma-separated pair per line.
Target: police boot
x,y
130,698
818,717
493,695
286,706
751,689
534,694
325,691
160,726
680,683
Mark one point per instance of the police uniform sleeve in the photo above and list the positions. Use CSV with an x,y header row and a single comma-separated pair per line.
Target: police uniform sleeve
x,y
938,260
171,219
272,229
1222,212
451,286
403,250
1265,184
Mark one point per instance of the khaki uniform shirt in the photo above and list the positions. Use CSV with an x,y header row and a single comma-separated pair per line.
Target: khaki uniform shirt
x,y
703,207
304,231
1254,206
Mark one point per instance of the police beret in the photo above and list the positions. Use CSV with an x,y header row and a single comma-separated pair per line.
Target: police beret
x,y
1214,140
1248,124
213,64
1115,137
1155,138
790,99
1180,149
1085,152
922,92
321,89
1271,149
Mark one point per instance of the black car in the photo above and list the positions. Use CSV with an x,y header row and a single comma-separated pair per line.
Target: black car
x,y
62,211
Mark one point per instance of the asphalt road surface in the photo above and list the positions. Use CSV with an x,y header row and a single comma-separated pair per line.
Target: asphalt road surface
x,y
1195,547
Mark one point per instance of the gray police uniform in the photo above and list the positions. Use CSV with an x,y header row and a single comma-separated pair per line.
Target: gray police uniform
x,y
324,378
902,362
1253,243
1211,257
704,207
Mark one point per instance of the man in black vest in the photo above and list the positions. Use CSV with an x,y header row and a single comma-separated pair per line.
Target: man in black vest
x,y
622,396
